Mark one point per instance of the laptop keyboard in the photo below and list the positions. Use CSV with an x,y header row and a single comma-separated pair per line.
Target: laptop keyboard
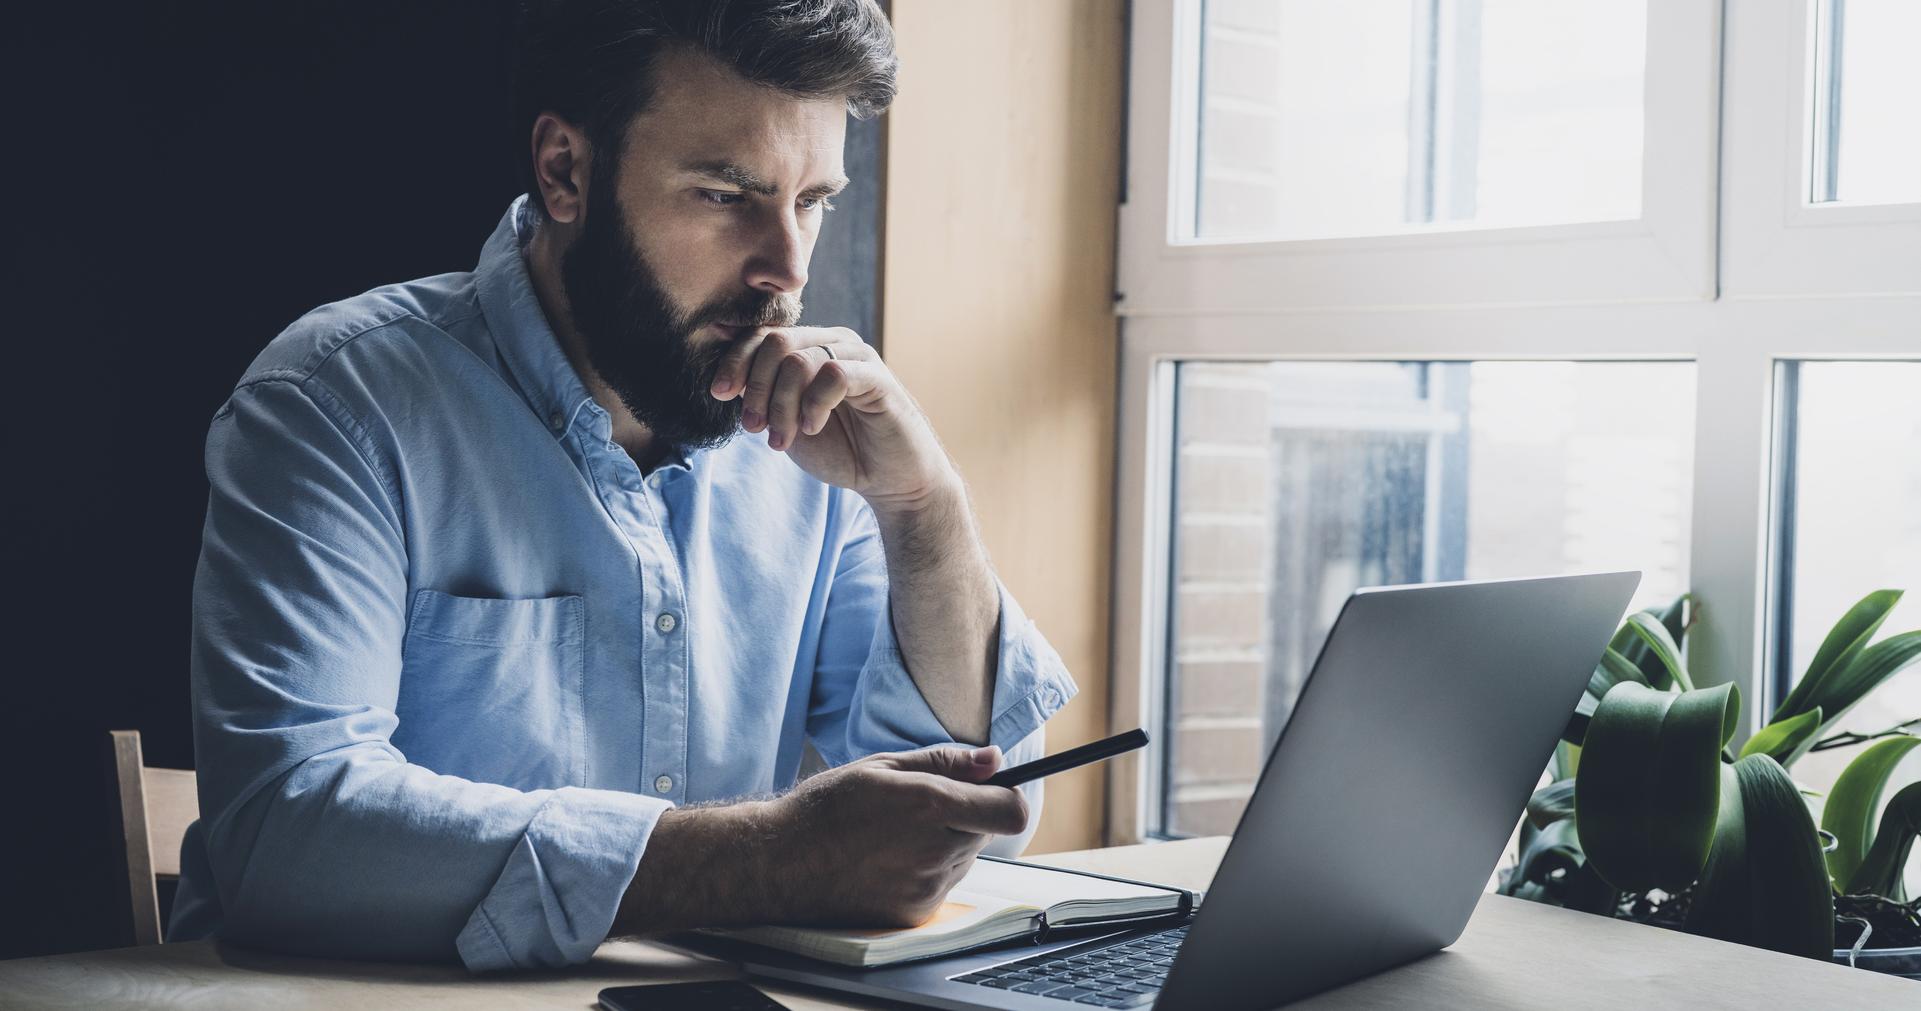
x,y
1128,974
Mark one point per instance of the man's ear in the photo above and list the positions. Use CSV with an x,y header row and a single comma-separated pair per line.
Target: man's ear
x,y
561,156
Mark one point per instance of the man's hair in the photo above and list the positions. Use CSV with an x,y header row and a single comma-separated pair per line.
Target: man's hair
x,y
590,61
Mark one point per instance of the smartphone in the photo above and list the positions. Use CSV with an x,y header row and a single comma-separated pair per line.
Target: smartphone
x,y
709,995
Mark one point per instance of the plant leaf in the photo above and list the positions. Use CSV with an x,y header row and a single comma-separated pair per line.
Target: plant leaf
x,y
1841,689
1785,740
1650,774
1765,884
1635,649
1576,730
1554,847
1567,759
1844,641
1612,670
1551,803
1883,868
1673,618
1662,646
1849,813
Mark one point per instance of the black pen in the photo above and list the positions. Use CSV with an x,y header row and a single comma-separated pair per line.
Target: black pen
x,y
1072,758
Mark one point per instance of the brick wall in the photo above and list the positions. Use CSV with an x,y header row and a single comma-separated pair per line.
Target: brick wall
x,y
1223,560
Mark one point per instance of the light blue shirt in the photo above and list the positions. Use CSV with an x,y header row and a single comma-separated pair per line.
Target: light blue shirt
x,y
453,653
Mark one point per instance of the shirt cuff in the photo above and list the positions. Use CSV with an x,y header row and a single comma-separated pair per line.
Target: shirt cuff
x,y
1030,685
555,900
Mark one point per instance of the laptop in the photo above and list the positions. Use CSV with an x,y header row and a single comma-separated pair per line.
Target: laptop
x,y
1383,809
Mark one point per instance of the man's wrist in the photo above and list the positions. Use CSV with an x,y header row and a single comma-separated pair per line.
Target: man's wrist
x,y
703,867
941,495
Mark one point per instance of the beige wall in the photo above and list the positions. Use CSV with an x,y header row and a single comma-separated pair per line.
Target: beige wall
x,y
1002,182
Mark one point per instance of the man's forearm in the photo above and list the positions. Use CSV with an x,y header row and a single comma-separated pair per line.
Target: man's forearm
x,y
704,867
946,608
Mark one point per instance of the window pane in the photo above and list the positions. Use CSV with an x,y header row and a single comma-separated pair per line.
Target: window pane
x,y
1363,117
1866,145
1297,482
1853,513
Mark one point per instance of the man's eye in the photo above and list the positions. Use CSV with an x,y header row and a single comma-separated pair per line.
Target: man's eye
x,y
721,198
810,203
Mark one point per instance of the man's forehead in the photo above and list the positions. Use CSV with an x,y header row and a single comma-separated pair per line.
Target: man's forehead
x,y
704,118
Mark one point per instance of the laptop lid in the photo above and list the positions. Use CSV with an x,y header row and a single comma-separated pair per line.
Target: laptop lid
x,y
1395,783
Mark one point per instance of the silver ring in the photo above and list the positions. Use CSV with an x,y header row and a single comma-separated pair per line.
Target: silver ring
x,y
830,352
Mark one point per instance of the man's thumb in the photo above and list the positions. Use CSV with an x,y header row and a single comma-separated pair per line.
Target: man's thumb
x,y
969,765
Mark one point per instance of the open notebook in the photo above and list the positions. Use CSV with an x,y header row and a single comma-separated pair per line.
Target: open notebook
x,y
997,901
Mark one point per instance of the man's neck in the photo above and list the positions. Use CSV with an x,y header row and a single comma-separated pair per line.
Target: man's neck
x,y
543,254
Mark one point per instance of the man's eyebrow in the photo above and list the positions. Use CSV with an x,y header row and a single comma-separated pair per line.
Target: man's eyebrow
x,y
826,189
735,175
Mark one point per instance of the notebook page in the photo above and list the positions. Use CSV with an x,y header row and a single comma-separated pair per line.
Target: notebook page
x,y
1046,888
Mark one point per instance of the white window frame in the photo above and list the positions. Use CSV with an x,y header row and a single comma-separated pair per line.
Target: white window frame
x,y
1790,281
1666,255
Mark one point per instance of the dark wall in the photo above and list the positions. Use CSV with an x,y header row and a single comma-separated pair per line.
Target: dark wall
x,y
185,180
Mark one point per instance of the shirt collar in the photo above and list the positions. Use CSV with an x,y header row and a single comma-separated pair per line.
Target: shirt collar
x,y
527,344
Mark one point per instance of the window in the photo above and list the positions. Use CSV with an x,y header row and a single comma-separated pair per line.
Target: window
x,y
1297,482
1379,116
1378,256
1849,502
1864,146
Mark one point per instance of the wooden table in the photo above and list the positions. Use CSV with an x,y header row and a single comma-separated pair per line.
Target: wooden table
x,y
1514,955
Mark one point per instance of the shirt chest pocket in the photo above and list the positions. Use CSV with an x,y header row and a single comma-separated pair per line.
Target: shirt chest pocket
x,y
490,689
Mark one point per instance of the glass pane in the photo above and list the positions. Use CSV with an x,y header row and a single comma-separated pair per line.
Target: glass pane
x,y
1853,513
1297,482
1866,145
1363,117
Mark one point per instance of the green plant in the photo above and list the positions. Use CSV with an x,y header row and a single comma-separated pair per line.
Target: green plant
x,y
1650,814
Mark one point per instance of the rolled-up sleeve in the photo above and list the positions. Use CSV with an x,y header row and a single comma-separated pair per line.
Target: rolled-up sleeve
x,y
320,836
865,700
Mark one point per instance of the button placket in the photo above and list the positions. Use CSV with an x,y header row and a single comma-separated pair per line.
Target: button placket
x,y
663,651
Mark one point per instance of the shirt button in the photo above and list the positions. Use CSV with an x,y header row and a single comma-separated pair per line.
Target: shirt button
x,y
666,622
553,420
664,784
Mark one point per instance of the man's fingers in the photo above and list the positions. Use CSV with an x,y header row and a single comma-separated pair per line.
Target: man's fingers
x,y
992,810
825,393
791,381
762,369
731,374
969,765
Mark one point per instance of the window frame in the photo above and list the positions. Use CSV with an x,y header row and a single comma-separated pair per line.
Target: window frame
x,y
1734,334
1666,255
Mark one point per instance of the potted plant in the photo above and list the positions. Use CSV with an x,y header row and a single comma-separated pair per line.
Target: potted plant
x,y
1652,817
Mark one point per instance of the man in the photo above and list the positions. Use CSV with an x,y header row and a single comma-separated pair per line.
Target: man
x,y
506,639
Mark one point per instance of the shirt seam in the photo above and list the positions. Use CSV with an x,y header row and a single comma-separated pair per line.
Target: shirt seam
x,y
327,403
1046,681
313,370
493,934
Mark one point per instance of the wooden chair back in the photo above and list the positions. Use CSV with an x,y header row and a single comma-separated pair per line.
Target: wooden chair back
x,y
156,806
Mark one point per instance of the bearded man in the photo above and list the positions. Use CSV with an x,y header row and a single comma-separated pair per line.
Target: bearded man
x,y
523,591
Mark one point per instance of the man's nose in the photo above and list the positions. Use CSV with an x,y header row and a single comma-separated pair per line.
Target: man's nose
x,y
779,261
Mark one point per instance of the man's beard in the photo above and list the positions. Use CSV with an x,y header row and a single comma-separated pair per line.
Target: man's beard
x,y
640,342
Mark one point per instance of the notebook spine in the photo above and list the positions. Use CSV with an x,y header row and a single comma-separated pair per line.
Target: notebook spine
x,y
1183,912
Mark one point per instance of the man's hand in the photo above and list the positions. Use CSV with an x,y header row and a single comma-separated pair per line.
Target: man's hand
x,y
845,420
881,841
878,842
